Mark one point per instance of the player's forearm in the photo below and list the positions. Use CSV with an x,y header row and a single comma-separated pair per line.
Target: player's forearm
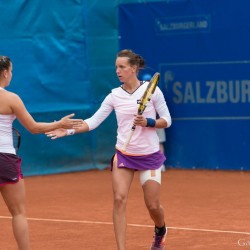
x,y
161,123
42,127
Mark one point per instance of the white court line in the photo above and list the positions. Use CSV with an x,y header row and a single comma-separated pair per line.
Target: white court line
x,y
132,225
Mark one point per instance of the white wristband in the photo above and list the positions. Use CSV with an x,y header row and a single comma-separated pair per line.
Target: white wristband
x,y
70,131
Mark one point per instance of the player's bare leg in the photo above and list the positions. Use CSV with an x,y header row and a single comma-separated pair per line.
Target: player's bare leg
x,y
151,191
14,197
121,180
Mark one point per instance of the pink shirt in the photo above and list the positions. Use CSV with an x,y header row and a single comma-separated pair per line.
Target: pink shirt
x,y
144,140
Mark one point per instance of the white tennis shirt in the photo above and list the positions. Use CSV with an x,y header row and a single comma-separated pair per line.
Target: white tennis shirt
x,y
6,139
144,140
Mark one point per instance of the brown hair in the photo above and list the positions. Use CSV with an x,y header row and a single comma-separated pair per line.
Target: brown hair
x,y
133,58
4,63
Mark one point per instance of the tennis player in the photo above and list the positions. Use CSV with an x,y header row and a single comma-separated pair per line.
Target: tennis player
x,y
142,153
11,177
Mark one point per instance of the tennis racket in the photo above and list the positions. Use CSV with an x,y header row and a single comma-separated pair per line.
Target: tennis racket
x,y
16,139
143,104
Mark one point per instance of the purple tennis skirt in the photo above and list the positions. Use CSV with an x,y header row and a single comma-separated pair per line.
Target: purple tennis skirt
x,y
10,168
141,162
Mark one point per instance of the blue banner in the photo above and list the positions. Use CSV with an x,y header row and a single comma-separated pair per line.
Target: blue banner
x,y
47,43
47,46
201,49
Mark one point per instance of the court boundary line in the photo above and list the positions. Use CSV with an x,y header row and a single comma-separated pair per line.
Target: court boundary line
x,y
132,225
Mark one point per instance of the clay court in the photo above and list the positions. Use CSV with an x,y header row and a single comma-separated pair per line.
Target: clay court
x,y
205,210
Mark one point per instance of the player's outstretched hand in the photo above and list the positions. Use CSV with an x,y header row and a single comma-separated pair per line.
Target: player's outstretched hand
x,y
67,122
60,132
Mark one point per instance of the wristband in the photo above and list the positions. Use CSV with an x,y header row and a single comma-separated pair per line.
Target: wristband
x,y
150,122
70,131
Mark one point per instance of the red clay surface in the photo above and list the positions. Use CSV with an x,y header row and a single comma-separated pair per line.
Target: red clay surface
x,y
205,210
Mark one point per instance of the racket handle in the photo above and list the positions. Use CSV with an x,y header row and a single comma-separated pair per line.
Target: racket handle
x,y
129,138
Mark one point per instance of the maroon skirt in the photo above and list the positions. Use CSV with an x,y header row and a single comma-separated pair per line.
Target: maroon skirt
x,y
141,162
10,168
